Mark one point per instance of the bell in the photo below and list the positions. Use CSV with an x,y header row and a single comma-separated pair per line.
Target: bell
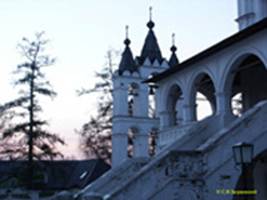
x,y
151,90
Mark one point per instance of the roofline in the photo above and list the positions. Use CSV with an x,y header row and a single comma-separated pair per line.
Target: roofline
x,y
52,161
211,50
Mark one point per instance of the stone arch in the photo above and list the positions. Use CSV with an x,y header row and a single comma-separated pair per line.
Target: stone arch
x,y
166,90
198,73
202,85
235,60
239,79
133,87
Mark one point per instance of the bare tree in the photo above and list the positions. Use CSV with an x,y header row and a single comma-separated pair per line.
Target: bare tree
x,y
96,133
25,136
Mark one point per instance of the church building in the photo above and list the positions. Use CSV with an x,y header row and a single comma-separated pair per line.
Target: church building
x,y
162,149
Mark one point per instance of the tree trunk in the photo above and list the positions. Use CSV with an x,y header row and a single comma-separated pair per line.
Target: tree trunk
x,y
30,154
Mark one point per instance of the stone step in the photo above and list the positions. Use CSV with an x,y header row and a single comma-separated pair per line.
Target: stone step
x,y
106,183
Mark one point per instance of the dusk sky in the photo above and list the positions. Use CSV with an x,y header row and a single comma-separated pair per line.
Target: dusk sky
x,y
81,31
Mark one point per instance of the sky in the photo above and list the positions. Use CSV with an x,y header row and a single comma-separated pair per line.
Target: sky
x,y
81,32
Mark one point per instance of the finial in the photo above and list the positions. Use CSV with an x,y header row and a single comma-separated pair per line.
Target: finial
x,y
173,39
126,31
150,13
173,47
150,24
127,41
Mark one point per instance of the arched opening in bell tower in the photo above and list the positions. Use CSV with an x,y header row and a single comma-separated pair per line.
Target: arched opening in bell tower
x,y
248,79
132,93
152,98
151,103
130,147
152,141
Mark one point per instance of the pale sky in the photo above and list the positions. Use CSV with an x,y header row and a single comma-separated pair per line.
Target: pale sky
x,y
81,31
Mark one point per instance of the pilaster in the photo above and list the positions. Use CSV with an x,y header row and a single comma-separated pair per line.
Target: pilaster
x,y
119,148
141,144
140,107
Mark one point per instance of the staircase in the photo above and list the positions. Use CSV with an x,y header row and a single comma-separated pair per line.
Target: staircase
x,y
141,170
178,172
112,179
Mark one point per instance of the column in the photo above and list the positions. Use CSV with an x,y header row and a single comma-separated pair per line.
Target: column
x,y
189,113
223,102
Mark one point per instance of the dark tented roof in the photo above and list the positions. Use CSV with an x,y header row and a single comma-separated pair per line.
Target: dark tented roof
x,y
151,48
173,59
213,49
52,175
127,62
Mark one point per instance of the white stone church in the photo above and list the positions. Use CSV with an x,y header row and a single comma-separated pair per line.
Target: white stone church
x,y
222,156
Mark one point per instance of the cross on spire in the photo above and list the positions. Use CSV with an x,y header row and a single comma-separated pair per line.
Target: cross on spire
x,y
127,31
127,41
173,47
150,13
173,39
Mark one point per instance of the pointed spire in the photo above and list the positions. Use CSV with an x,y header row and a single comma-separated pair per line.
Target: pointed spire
x,y
127,62
151,48
173,59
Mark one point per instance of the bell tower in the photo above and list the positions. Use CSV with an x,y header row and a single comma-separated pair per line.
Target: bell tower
x,y
132,97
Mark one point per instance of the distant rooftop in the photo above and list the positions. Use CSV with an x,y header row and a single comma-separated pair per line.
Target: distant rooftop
x,y
52,175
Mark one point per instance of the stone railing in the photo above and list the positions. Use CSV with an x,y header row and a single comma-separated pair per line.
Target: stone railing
x,y
186,132
251,127
171,134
